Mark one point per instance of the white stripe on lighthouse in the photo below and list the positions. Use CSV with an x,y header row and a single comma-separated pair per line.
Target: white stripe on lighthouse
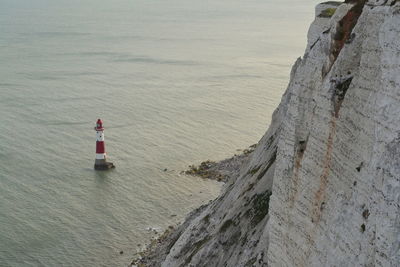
x,y
99,136
101,156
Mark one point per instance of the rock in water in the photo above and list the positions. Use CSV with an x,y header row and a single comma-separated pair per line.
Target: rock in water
x,y
322,187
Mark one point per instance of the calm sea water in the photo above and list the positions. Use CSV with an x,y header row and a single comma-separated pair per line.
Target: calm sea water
x,y
175,82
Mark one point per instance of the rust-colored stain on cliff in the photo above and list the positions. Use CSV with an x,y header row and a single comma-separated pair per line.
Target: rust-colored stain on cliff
x,y
345,27
343,33
295,179
327,163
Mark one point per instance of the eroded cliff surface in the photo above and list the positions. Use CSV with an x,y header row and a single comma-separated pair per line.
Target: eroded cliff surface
x,y
322,187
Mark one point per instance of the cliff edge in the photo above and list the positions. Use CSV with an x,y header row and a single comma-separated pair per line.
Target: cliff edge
x,y
322,187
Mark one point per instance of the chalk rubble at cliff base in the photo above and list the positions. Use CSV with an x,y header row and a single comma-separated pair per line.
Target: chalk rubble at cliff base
x,y
322,188
221,170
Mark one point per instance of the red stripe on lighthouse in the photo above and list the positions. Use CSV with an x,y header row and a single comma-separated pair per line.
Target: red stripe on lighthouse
x,y
100,148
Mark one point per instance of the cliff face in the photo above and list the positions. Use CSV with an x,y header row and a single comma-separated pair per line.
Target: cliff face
x,y
322,187
336,193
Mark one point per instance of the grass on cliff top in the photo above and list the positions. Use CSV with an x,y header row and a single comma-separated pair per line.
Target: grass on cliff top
x,y
327,13
334,3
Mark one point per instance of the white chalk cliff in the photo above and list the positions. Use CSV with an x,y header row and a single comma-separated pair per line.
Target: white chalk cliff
x,y
322,187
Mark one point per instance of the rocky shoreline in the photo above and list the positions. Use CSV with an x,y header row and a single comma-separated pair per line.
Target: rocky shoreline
x,y
220,171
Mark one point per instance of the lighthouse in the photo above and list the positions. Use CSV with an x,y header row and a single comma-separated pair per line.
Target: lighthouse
x,y
101,159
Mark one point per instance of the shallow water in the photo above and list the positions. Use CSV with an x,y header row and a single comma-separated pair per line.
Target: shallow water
x,y
175,82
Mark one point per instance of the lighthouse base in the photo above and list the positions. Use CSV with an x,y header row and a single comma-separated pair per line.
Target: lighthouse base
x,y
102,165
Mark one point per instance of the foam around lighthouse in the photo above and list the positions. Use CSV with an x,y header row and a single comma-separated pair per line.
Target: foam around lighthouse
x,y
102,166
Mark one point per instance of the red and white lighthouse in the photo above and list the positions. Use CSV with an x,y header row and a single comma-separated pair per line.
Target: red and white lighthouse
x,y
101,159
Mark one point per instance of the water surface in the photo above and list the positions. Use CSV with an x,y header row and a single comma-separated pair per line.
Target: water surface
x,y
175,82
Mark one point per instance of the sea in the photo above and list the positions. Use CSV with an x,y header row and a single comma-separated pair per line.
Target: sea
x,y
176,82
